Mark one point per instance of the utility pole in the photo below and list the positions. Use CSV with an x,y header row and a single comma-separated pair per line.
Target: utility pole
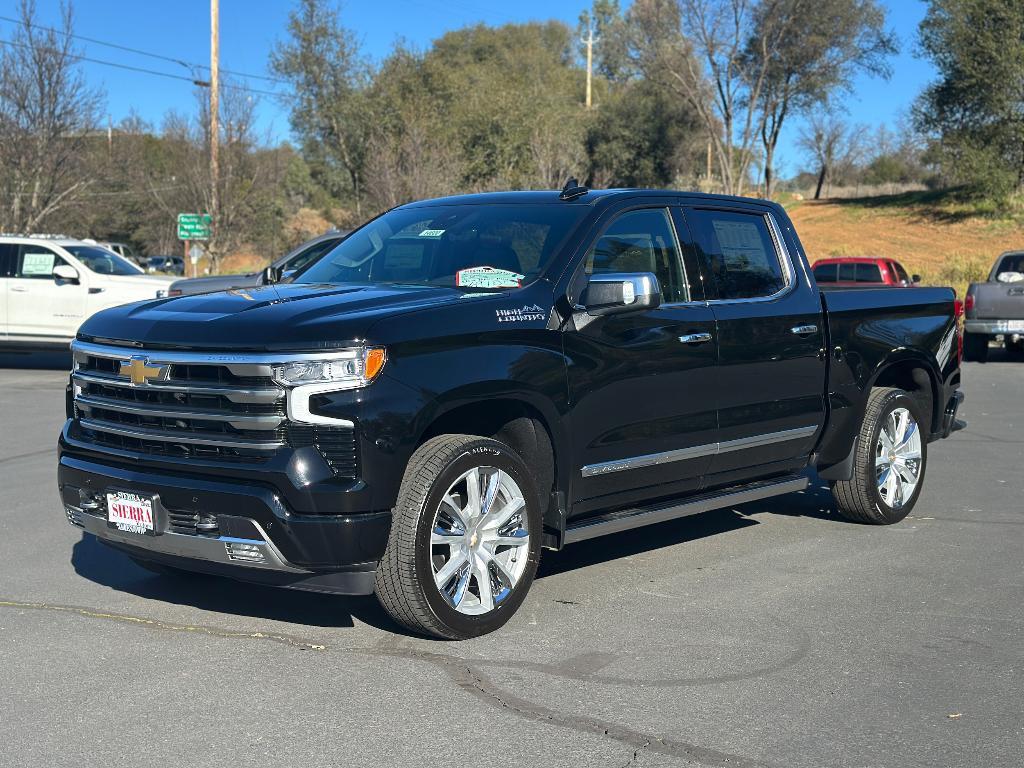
x,y
589,42
214,109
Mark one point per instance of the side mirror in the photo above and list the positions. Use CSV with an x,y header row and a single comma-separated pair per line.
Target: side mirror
x,y
915,279
65,273
611,293
270,275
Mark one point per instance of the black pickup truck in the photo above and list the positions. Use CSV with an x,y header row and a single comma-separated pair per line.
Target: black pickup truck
x,y
465,381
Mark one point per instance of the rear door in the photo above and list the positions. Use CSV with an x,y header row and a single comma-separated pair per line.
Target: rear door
x,y
39,305
642,384
771,367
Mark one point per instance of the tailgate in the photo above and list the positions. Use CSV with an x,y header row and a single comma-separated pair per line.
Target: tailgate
x,y
999,301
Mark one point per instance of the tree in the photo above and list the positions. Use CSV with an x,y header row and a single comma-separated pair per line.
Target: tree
x,y
975,110
832,144
46,114
330,111
701,50
827,42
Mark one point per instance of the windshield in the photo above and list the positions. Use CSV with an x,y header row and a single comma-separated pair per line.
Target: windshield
x,y
101,261
476,247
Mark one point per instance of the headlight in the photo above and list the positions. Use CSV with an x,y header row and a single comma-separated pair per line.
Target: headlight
x,y
352,368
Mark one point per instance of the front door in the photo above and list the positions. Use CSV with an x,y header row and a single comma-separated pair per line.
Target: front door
x,y
37,303
771,364
642,385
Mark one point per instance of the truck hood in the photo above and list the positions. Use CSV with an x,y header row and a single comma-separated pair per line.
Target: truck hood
x,y
273,317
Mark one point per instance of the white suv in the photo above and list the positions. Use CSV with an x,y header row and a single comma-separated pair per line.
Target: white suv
x,y
50,285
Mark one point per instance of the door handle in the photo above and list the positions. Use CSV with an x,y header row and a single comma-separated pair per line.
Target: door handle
x,y
804,330
18,289
695,338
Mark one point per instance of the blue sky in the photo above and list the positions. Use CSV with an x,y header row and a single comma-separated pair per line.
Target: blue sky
x,y
249,29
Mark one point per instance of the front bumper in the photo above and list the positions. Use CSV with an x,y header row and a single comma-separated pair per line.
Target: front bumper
x,y
256,538
994,327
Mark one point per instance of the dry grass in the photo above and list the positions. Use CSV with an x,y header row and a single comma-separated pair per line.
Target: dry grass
x,y
947,243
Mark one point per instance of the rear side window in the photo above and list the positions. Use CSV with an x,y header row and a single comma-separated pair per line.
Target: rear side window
x,y
740,253
8,253
825,273
641,241
869,273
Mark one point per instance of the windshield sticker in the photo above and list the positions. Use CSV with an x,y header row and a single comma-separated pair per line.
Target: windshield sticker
x,y
431,233
37,264
521,315
488,277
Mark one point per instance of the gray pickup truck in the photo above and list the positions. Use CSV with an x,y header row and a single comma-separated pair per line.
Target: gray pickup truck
x,y
995,309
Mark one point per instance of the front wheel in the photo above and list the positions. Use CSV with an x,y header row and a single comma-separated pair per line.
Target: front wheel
x,y
465,539
889,461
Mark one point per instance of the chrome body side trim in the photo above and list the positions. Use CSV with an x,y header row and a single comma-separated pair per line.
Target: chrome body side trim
x,y
681,454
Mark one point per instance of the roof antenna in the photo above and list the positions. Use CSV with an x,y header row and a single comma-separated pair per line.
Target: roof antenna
x,y
572,190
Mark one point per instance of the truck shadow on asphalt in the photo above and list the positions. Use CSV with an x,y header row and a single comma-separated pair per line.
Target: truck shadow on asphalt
x,y
110,568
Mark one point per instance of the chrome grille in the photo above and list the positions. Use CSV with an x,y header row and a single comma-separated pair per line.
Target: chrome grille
x,y
194,406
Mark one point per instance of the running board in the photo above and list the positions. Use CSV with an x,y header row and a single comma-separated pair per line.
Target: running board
x,y
624,520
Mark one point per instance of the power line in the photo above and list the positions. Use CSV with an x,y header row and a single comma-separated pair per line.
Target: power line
x,y
144,70
140,52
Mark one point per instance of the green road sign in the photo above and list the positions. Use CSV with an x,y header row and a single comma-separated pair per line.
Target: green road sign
x,y
194,226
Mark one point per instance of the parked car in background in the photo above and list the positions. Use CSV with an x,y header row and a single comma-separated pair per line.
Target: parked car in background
x,y
172,265
995,309
862,271
49,285
291,262
121,249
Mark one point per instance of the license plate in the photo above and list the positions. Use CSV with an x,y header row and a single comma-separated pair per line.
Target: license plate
x,y
1014,326
130,512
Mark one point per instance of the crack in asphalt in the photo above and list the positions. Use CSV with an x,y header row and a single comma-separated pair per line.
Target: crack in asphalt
x,y
155,624
46,452
464,674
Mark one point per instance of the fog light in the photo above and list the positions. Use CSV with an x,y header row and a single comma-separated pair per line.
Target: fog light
x,y
249,553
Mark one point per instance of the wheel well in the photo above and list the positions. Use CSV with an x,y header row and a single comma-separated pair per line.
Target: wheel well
x,y
915,379
519,425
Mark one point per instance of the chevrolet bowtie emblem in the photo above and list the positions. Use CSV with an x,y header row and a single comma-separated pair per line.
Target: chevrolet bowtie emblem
x,y
140,373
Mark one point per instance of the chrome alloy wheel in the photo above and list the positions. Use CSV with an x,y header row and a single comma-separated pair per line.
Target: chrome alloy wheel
x,y
479,542
898,458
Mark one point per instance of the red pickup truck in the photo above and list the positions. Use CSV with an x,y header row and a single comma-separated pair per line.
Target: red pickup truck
x,y
863,271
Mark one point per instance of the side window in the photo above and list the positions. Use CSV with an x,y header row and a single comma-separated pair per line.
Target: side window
x,y
825,273
36,262
8,253
848,273
740,253
869,273
642,241
901,273
310,254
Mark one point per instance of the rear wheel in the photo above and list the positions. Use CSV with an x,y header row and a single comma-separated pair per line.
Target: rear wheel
x,y
465,539
890,460
976,347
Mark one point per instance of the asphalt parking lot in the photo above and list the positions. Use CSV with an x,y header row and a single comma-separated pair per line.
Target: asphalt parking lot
x,y
770,634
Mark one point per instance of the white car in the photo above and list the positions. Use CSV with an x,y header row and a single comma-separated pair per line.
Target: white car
x,y
50,285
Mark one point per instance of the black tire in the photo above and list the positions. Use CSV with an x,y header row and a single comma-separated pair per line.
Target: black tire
x,y
405,583
858,498
976,347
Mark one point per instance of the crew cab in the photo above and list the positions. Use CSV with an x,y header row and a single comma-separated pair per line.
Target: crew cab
x,y
49,285
995,309
465,381
862,272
